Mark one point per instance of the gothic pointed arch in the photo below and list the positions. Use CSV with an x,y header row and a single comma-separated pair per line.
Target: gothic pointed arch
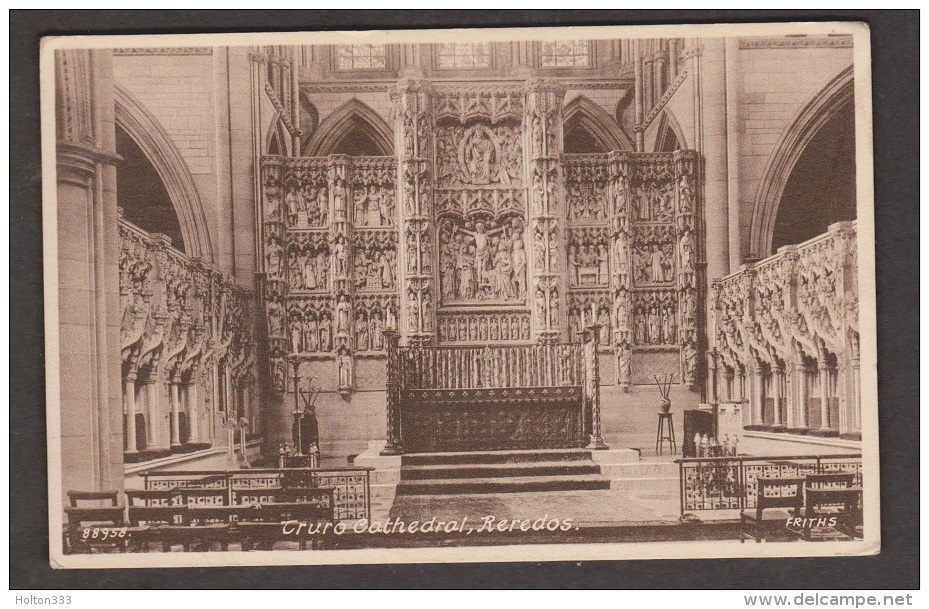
x,y
354,129
670,135
156,144
276,141
833,99
590,128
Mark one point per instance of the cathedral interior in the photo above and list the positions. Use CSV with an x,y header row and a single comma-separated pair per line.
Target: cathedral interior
x,y
371,237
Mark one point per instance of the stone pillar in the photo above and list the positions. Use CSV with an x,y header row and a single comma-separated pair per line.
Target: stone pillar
x,y
175,412
825,384
854,401
544,118
193,406
777,386
757,397
639,101
129,401
414,129
733,153
803,397
713,145
90,383
157,417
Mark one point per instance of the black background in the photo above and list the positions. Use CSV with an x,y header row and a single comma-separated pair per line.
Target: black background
x,y
895,46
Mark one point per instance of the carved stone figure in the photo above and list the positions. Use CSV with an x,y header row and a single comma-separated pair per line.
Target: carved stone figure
x,y
310,334
686,195
325,333
603,319
604,263
519,265
361,334
387,271
377,332
345,369
686,249
296,274
274,262
342,312
657,263
309,272
275,322
295,338
341,257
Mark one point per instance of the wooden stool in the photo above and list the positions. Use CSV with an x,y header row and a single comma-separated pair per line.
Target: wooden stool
x,y
661,437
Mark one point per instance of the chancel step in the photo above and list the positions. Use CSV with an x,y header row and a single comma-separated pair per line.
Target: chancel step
x,y
516,471
497,470
520,484
496,456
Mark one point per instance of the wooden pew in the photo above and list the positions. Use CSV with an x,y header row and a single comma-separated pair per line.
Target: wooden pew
x,y
96,525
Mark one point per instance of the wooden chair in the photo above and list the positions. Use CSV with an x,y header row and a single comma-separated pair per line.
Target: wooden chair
x,y
150,512
314,507
785,493
834,495
90,526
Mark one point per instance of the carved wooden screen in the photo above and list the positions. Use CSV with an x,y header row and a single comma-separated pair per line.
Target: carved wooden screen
x,y
330,251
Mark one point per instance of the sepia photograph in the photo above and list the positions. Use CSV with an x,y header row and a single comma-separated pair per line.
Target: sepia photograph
x,y
484,295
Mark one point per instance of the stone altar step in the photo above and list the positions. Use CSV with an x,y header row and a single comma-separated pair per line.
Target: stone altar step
x,y
514,484
498,470
496,456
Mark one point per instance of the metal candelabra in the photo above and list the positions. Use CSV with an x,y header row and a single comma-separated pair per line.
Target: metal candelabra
x,y
309,396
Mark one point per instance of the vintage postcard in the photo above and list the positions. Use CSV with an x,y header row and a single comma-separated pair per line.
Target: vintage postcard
x,y
467,295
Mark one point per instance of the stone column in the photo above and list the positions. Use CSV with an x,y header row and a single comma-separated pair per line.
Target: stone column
x,y
175,412
414,129
757,397
713,145
777,386
544,118
825,384
854,401
803,397
730,385
193,406
733,153
129,401
157,417
88,276
639,99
